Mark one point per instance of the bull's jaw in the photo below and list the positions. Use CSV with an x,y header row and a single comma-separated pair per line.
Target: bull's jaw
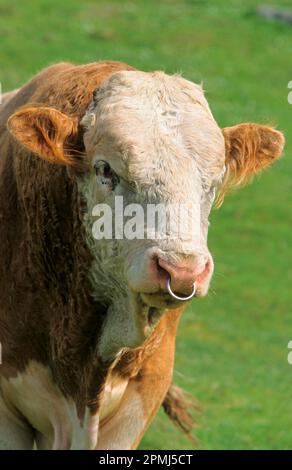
x,y
127,324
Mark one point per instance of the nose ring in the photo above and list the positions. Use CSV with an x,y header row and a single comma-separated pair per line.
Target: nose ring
x,y
176,296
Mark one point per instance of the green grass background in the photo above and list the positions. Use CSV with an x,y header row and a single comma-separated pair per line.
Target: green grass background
x,y
232,345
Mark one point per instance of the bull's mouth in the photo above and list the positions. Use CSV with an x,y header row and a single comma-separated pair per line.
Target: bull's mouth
x,y
163,300
160,300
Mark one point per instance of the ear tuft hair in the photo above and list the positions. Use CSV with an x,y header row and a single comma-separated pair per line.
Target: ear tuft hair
x,y
249,149
46,132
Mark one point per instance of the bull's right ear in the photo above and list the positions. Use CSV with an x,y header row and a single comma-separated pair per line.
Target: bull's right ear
x,y
46,132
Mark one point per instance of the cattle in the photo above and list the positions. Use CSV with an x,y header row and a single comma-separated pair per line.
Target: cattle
x,y
88,324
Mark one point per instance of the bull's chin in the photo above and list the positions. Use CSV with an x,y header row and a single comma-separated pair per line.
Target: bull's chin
x,y
130,319
128,322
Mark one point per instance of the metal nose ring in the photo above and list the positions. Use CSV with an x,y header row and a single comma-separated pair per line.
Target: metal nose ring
x,y
176,296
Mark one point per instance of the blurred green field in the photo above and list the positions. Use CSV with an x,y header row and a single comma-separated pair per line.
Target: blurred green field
x,y
232,345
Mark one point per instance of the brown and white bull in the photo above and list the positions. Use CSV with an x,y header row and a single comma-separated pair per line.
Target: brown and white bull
x,y
87,327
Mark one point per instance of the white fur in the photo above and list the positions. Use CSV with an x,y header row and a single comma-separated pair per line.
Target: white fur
x,y
31,400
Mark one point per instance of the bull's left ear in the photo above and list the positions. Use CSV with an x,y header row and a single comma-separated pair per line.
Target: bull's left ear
x,y
249,149
46,132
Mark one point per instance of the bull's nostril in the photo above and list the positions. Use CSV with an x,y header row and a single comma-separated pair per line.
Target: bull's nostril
x,y
161,271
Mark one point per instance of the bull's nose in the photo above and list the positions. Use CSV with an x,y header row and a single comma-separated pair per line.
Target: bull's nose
x,y
184,275
159,272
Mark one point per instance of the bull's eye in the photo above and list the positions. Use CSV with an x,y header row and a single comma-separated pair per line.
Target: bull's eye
x,y
105,175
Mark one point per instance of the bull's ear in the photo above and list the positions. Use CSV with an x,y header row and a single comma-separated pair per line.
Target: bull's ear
x,y
45,132
249,149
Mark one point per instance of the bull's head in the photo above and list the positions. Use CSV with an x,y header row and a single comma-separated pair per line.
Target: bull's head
x,y
150,139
